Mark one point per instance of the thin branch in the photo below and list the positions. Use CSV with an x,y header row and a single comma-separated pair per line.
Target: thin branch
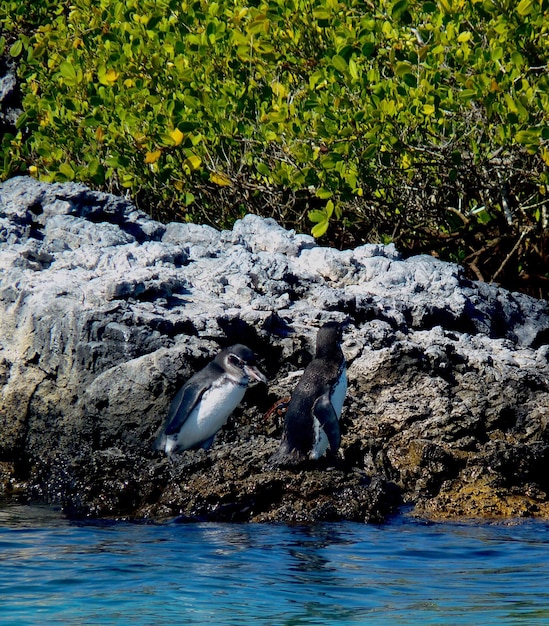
x,y
477,272
459,214
507,258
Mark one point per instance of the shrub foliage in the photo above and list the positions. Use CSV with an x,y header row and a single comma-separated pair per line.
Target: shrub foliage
x,y
419,122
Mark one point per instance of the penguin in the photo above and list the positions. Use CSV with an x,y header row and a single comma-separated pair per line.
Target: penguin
x,y
311,423
203,405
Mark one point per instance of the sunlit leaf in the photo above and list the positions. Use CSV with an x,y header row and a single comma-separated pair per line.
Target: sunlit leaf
x,y
464,37
339,63
106,76
193,161
323,193
525,7
218,178
403,68
152,157
527,137
319,229
353,69
177,136
317,215
321,14
16,48
67,171
68,70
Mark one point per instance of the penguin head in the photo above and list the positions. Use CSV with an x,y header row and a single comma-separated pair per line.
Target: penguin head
x,y
328,338
239,362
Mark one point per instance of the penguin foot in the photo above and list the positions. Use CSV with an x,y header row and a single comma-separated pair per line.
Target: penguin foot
x,y
278,407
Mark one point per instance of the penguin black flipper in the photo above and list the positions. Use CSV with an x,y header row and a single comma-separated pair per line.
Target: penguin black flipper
x,y
188,397
181,407
324,412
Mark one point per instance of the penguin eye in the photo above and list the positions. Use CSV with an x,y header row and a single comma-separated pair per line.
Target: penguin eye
x,y
236,361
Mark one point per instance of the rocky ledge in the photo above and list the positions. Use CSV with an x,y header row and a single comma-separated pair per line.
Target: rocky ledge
x,y
105,312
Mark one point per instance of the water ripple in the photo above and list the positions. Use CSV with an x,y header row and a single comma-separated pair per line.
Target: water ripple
x,y
54,572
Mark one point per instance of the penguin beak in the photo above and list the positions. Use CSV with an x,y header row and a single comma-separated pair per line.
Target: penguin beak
x,y
253,372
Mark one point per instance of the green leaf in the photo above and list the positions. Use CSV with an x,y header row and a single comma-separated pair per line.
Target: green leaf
x,y
319,229
317,215
527,137
517,58
321,14
165,139
323,193
468,94
353,70
525,7
193,161
368,49
259,25
497,53
16,48
403,70
67,171
398,8
410,80
21,120
221,179
188,198
339,63
263,169
113,161
330,161
67,70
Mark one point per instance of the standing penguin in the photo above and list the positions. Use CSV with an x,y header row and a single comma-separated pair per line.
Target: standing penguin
x,y
311,423
204,403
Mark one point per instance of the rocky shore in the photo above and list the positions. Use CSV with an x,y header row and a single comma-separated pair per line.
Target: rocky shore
x,y
105,312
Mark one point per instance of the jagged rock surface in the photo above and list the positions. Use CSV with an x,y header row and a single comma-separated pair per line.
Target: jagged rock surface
x,y
10,96
105,312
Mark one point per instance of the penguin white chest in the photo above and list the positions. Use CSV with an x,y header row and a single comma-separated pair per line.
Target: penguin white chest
x,y
337,397
320,441
210,414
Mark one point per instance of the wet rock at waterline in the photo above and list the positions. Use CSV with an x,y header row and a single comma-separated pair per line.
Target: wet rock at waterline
x,y
104,313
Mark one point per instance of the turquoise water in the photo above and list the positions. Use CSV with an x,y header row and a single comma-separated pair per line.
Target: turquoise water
x,y
56,572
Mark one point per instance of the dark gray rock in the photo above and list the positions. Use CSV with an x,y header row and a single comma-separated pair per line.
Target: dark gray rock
x,y
105,312
10,96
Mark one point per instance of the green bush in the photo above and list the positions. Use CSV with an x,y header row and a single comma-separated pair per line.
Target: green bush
x,y
425,123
